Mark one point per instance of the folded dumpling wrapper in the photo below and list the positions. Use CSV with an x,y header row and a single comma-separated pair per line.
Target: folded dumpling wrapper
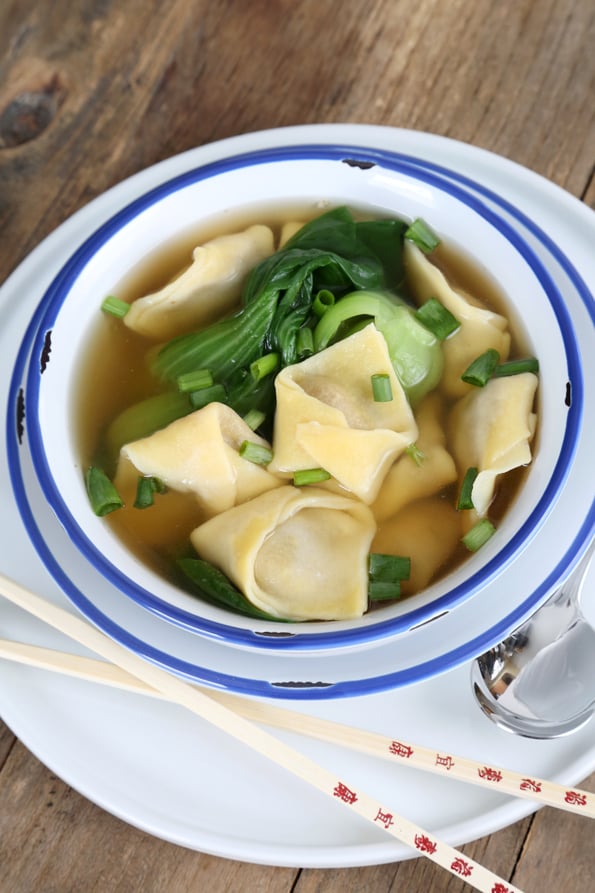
x,y
480,328
209,288
199,453
491,429
407,481
296,553
327,417
426,531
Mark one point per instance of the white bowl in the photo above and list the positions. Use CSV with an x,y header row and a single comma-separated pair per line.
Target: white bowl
x,y
326,176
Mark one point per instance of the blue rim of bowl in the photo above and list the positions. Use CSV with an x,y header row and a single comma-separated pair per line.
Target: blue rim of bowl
x,y
258,687
432,174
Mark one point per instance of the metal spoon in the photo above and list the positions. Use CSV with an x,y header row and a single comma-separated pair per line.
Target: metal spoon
x,y
540,681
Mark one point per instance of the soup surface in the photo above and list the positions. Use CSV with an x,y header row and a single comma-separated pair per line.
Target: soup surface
x,y
409,508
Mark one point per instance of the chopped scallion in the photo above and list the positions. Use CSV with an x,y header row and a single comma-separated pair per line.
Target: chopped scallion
x,y
264,366
381,590
479,534
195,381
256,452
254,418
388,567
465,501
145,490
382,388
103,496
515,367
310,476
305,343
482,368
215,394
435,317
322,302
115,306
420,233
414,452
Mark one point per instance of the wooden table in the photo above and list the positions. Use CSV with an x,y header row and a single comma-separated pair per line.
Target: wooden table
x,y
92,91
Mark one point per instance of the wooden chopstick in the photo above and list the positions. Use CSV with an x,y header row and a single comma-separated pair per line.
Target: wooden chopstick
x,y
350,796
415,756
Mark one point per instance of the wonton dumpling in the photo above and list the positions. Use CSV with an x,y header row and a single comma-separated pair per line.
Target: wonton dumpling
x,y
326,415
209,288
480,328
298,554
407,481
199,454
426,531
490,429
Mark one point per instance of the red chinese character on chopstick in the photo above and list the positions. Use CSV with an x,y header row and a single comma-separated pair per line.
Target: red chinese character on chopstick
x,y
446,761
490,774
461,867
384,818
527,784
575,798
401,750
424,844
500,888
343,793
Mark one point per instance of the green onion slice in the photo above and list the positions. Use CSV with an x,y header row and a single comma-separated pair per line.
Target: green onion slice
x,y
515,367
254,418
381,590
305,343
414,452
482,368
195,381
264,366
115,306
310,476
479,534
145,490
158,485
103,496
256,452
214,394
420,233
465,501
322,302
381,387
435,317
388,568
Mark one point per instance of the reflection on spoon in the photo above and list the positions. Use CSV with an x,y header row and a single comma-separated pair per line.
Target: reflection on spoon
x,y
540,681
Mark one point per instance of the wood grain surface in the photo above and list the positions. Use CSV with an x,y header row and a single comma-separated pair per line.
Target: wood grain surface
x,y
92,91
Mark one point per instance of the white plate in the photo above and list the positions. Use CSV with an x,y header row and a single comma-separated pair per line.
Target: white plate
x,y
160,769
464,629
